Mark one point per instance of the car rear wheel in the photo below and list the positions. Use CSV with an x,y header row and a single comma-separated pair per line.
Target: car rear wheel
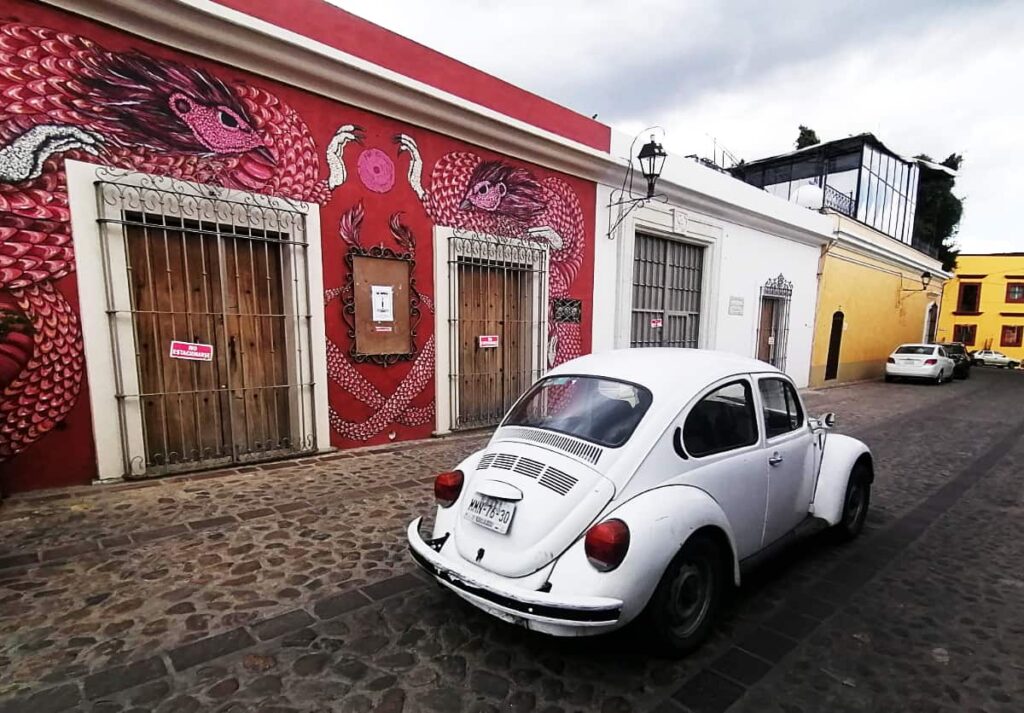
x,y
683,608
855,505
889,378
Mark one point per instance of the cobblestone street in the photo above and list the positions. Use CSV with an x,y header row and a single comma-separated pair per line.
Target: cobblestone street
x,y
289,588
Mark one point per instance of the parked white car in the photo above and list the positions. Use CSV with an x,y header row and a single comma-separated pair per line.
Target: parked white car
x,y
988,357
632,485
920,361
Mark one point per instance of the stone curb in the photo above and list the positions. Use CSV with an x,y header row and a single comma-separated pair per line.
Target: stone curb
x,y
115,679
266,467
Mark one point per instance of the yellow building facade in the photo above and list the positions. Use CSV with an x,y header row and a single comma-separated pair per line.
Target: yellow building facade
x,y
872,297
983,305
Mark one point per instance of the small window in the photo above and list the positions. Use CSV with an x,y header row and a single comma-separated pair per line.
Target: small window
x,y
781,407
1015,292
1013,335
721,421
916,349
969,297
965,333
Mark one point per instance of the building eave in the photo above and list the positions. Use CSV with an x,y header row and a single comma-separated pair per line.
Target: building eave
x,y
238,40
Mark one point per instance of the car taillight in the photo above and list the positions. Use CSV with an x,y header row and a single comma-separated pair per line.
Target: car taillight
x,y
606,544
890,360
929,362
447,487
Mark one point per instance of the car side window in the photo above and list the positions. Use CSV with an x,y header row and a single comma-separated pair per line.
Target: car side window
x,y
782,412
942,352
721,421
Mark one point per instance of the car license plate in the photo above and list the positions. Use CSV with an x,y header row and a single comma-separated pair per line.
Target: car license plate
x,y
492,513
906,361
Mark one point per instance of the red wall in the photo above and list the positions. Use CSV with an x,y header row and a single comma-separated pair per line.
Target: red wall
x,y
55,71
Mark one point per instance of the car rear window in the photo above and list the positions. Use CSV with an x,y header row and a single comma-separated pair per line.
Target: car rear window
x,y
953,349
916,350
604,411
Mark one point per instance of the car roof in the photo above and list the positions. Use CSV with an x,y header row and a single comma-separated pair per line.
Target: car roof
x,y
681,372
915,344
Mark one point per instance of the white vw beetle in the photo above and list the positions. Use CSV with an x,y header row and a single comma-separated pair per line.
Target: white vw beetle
x,y
633,484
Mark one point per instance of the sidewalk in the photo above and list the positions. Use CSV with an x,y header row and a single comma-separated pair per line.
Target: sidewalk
x,y
140,566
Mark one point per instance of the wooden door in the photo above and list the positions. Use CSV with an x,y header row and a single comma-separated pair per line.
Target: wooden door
x,y
218,289
256,357
493,301
766,330
517,340
176,293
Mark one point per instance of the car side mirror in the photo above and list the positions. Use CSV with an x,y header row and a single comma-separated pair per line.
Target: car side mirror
x,y
828,420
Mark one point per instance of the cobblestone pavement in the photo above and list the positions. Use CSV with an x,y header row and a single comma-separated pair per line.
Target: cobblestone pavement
x,y
289,588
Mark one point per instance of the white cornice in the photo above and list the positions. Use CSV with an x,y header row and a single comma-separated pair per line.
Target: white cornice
x,y
225,35
221,34
871,249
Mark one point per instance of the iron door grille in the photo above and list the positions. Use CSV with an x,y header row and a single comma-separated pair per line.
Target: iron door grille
x,y
200,264
779,290
497,288
667,279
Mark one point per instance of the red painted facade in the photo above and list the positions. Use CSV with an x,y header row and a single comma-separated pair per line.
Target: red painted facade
x,y
73,88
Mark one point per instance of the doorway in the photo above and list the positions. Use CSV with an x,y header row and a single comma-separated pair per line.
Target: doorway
x,y
930,323
497,325
223,291
834,344
766,329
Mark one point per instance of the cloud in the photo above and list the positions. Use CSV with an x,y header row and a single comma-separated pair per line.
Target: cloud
x,y
926,76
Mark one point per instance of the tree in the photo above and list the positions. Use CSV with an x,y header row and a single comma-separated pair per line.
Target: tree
x,y
806,138
937,219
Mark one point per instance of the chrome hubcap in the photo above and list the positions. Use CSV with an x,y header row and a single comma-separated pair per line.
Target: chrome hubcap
x,y
691,598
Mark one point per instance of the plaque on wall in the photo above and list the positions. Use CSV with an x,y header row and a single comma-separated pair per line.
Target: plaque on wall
x,y
381,306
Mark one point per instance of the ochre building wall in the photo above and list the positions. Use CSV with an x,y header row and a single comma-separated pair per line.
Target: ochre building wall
x,y
878,313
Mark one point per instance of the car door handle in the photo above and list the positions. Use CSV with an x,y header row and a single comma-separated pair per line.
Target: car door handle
x,y
775,458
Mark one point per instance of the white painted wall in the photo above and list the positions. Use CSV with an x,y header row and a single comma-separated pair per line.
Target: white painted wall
x,y
749,258
749,237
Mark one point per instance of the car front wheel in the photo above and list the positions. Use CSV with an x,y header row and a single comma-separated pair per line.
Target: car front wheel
x,y
683,608
855,505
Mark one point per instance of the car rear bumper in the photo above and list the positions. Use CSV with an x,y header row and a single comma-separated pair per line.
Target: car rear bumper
x,y
561,614
913,371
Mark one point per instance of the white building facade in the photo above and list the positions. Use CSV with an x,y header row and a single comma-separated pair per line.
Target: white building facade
x,y
710,263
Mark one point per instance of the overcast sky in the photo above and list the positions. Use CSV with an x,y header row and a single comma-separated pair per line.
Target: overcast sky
x,y
925,76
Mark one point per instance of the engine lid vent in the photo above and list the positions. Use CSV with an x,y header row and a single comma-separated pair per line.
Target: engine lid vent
x,y
486,461
573,446
556,480
529,467
505,461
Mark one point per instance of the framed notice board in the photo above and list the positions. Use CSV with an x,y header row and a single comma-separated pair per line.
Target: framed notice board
x,y
382,308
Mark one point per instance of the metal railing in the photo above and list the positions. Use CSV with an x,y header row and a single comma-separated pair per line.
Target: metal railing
x,y
839,202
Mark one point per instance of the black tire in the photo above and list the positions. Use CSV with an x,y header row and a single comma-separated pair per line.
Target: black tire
x,y
888,379
967,373
683,609
855,504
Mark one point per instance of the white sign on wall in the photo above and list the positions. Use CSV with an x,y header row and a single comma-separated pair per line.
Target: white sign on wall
x,y
736,306
382,297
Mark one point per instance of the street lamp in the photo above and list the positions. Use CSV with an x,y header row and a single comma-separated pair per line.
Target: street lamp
x,y
652,159
926,279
